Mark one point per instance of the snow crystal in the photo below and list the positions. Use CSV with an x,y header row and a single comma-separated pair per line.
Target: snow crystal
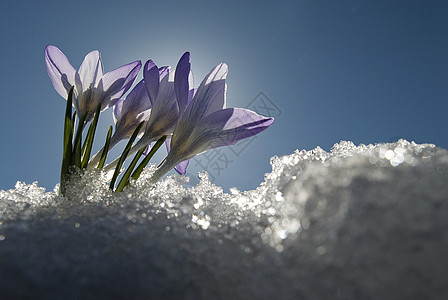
x,y
358,222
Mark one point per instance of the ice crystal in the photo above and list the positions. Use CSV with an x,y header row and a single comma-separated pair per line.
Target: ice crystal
x,y
358,222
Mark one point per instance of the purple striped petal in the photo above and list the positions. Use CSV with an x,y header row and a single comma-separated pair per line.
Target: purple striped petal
x,y
137,100
211,94
166,87
60,71
163,71
228,126
191,94
116,83
128,113
151,76
181,82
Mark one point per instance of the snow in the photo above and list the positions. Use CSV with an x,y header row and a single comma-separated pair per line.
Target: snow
x,y
358,222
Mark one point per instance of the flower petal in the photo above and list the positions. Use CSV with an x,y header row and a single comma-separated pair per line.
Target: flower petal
x,y
226,127
164,112
181,81
151,76
163,71
164,116
166,86
116,83
180,168
210,96
137,100
91,70
147,150
128,113
60,71
118,107
191,94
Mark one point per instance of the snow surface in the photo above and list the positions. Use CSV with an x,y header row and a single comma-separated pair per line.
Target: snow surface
x,y
360,222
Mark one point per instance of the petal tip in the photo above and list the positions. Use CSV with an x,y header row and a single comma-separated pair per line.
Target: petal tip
x,y
187,56
51,50
49,47
149,64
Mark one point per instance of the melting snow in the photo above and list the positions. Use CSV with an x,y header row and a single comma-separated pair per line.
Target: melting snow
x,y
359,222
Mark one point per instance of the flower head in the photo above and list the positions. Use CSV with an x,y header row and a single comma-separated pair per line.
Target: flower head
x,y
92,86
204,122
129,112
162,94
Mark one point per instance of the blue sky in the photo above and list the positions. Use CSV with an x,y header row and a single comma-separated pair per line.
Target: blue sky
x,y
365,71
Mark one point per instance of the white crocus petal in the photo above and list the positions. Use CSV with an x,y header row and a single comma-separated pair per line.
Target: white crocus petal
x,y
91,70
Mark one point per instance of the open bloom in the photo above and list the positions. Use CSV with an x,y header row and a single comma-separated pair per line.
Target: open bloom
x,y
204,122
159,83
92,86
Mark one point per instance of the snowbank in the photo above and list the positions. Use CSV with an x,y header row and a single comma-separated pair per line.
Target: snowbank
x,y
360,222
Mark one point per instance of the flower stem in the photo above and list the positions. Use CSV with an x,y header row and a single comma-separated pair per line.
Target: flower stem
x,y
125,179
76,159
145,161
124,155
67,142
105,149
87,147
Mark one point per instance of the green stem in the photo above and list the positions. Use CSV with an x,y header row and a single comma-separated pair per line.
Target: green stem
x,y
67,142
87,147
145,161
125,179
105,149
124,155
76,160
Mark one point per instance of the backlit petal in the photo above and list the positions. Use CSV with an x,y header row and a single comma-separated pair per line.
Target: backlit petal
x,y
180,168
118,110
116,83
210,96
228,126
151,76
137,100
181,81
91,70
61,72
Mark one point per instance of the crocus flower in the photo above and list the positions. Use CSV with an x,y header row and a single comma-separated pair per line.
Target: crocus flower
x,y
164,115
205,123
92,86
128,113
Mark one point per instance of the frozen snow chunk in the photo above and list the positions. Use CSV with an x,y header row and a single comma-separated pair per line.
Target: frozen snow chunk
x,y
358,222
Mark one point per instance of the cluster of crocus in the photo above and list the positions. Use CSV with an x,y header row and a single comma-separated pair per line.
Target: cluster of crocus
x,y
163,107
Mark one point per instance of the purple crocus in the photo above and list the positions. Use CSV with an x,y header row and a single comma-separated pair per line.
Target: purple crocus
x,y
204,122
159,84
92,86
128,114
